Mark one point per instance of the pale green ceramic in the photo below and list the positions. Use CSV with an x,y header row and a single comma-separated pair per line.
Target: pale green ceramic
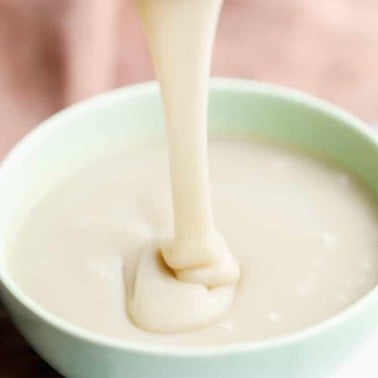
x,y
84,131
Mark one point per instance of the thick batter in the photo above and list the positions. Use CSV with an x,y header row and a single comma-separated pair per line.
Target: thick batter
x,y
189,266
304,233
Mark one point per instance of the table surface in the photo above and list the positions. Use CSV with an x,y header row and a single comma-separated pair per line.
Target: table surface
x,y
17,359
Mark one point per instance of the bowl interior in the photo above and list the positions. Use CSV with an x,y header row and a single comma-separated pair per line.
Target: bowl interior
x,y
83,132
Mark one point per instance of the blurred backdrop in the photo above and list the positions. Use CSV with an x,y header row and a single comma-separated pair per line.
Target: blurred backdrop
x,y
56,52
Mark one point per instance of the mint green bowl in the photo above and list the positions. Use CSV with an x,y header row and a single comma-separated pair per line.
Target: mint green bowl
x,y
81,133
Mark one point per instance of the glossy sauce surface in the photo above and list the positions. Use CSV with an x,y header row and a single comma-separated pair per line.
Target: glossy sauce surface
x,y
304,232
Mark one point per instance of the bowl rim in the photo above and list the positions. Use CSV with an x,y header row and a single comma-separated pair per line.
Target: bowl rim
x,y
243,86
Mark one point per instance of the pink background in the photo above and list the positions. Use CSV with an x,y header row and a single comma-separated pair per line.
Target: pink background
x,y
55,52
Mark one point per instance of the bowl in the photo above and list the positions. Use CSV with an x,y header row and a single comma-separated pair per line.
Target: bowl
x,y
84,131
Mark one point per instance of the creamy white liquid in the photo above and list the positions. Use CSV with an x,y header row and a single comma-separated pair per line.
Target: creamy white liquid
x,y
304,233
108,240
189,267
